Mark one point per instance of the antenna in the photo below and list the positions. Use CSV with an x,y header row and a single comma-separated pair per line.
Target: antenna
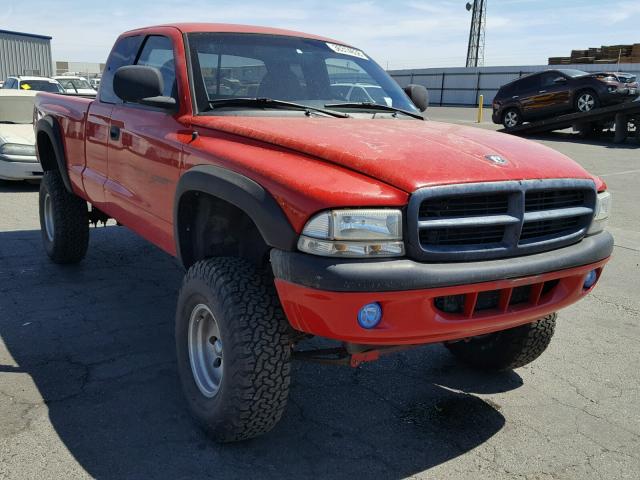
x,y
475,50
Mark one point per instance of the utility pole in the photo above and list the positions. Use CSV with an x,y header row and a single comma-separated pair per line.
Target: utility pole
x,y
475,50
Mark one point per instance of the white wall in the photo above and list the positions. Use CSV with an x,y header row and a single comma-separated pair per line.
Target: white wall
x,y
462,86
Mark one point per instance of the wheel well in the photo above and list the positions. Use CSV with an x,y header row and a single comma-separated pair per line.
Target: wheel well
x,y
211,227
46,153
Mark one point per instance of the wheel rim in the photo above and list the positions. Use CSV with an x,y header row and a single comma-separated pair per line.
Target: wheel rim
x,y
586,102
511,119
205,350
49,228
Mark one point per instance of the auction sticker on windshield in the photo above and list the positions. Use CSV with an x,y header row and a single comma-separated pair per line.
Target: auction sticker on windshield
x,y
344,50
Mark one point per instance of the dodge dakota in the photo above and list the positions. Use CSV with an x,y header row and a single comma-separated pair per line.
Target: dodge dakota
x,y
299,212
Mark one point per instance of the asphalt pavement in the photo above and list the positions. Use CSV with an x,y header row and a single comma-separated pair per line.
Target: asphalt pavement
x,y
88,382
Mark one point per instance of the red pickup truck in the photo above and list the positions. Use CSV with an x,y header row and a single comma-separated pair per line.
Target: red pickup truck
x,y
303,208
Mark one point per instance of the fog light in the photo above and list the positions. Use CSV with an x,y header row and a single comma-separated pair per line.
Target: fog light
x,y
590,279
370,315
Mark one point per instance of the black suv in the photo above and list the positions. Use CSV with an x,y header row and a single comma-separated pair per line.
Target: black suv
x,y
553,92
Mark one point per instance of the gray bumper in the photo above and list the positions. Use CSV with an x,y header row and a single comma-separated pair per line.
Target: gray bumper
x,y
383,275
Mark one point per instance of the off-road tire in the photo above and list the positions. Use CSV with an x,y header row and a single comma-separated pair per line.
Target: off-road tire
x,y
68,215
507,349
254,387
511,113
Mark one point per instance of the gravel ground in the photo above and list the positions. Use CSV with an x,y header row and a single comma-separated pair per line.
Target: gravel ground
x,y
88,384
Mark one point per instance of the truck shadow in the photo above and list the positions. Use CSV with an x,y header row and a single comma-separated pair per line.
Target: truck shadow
x,y
97,342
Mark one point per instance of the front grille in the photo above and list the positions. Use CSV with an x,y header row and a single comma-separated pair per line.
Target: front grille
x,y
462,236
544,228
465,206
498,219
553,199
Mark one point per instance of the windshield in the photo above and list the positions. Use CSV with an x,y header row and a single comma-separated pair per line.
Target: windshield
x,y
627,78
301,70
40,85
573,73
74,83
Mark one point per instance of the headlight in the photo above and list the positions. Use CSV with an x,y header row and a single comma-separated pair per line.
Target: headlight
x,y
18,150
601,215
354,233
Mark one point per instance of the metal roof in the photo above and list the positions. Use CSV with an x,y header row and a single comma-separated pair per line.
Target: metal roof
x,y
23,34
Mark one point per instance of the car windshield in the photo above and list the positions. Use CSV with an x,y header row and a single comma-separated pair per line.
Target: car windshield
x,y
573,73
306,71
74,83
627,78
40,85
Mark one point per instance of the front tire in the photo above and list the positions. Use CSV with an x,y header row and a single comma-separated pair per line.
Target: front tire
x,y
64,221
233,349
586,101
508,349
511,118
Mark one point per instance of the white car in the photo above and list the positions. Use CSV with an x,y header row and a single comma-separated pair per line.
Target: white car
x,y
95,83
360,92
77,85
18,160
41,84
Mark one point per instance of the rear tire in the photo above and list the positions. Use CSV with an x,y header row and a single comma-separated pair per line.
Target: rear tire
x,y
586,101
64,221
511,118
233,349
508,349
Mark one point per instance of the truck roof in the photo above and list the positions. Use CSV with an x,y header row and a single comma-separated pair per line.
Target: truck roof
x,y
234,28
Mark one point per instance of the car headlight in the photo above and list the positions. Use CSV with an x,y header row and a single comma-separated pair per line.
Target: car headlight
x,y
354,233
18,150
601,214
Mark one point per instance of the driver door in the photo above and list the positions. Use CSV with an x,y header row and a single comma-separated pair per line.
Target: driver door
x,y
145,154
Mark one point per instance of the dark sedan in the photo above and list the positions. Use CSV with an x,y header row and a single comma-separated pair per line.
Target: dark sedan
x,y
554,92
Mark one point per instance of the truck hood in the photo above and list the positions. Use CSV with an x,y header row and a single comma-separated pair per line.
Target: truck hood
x,y
22,134
403,153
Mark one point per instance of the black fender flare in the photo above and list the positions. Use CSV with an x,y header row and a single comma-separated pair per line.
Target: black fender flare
x,y
242,192
49,126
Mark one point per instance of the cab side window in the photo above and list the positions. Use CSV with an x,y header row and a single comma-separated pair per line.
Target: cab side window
x,y
546,80
124,53
158,52
527,84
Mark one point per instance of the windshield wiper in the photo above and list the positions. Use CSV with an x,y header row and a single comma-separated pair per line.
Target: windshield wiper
x,y
373,106
271,103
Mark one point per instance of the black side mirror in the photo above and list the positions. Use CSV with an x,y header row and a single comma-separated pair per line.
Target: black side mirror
x,y
559,80
141,84
418,95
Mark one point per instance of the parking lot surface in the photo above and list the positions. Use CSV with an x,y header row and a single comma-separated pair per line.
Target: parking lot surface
x,y
89,388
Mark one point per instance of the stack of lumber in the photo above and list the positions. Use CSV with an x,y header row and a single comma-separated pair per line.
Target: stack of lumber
x,y
604,54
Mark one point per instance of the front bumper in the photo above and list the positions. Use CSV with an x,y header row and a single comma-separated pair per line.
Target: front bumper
x,y
20,170
322,296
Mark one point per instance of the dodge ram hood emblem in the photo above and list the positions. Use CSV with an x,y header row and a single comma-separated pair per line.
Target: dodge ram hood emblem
x,y
497,159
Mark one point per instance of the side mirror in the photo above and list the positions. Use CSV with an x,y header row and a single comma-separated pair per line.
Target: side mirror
x,y
559,80
418,95
141,84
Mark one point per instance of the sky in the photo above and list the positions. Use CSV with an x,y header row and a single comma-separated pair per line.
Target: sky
x,y
398,34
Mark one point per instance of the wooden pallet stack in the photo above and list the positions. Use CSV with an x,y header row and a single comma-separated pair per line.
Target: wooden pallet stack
x,y
604,54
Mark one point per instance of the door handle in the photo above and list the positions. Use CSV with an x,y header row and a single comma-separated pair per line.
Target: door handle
x,y
114,132
516,96
542,91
